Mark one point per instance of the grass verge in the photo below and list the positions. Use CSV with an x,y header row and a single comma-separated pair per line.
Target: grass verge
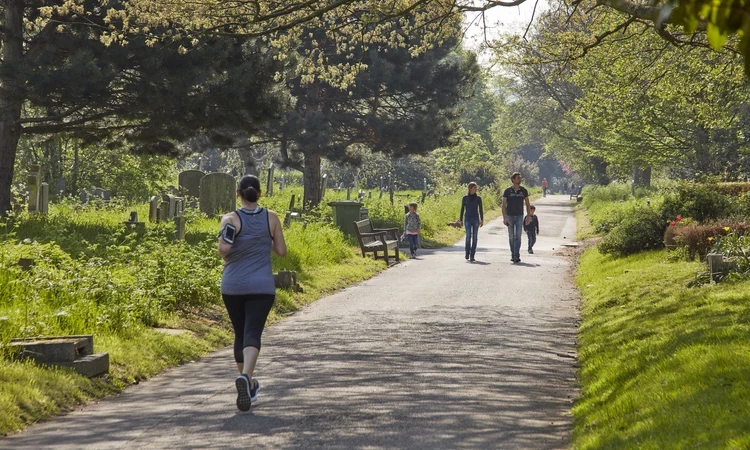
x,y
662,365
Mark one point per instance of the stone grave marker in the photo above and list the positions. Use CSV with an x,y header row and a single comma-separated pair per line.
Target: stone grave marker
x,y
60,187
179,228
218,194
269,183
153,209
190,181
323,185
33,182
44,199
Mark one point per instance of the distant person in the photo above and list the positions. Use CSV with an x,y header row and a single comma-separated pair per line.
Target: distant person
x,y
412,228
471,204
545,185
531,225
572,188
514,198
248,236
564,187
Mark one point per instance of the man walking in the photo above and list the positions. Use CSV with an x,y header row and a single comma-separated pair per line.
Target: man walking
x,y
513,200
545,185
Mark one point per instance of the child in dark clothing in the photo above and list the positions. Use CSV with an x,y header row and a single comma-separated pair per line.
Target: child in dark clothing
x,y
531,225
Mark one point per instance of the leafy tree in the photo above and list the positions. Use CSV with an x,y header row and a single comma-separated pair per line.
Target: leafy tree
x,y
60,78
401,105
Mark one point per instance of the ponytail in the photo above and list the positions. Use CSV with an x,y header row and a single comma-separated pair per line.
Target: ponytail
x,y
249,187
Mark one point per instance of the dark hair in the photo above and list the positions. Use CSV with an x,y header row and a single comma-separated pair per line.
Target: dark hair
x,y
413,205
515,174
249,187
532,207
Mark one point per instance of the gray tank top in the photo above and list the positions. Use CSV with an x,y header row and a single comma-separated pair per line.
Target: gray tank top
x,y
247,269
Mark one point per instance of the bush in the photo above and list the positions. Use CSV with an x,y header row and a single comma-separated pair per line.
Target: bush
x,y
702,202
643,229
734,189
698,239
483,173
614,192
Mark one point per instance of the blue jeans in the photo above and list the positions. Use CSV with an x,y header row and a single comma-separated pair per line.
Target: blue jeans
x,y
413,242
532,238
515,227
472,229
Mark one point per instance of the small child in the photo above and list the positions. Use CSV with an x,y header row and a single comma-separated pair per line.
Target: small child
x,y
531,225
412,228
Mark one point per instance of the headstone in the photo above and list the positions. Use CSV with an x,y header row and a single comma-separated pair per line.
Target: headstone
x,y
179,228
381,187
190,181
269,184
323,185
33,182
44,199
163,211
364,213
153,209
85,196
218,194
173,205
348,193
282,184
356,181
60,187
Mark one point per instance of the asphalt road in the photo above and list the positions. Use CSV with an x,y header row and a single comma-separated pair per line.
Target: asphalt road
x,y
433,353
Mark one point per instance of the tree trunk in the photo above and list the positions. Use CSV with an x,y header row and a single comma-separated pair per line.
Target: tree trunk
x,y
11,99
599,167
311,172
642,176
248,160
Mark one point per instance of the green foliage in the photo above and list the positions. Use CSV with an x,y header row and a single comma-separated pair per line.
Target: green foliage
x,y
614,192
700,201
483,173
641,229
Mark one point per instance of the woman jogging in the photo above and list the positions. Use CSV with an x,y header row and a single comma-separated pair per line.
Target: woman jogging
x,y
247,238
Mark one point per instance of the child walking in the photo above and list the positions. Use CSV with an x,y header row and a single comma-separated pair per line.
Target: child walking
x,y
412,228
531,225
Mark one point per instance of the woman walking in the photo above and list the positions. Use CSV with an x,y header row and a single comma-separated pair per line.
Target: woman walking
x,y
248,236
471,204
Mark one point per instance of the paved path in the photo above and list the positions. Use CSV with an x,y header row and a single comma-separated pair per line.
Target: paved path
x,y
433,353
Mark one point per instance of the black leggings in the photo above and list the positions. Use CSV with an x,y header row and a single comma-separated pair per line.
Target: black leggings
x,y
248,314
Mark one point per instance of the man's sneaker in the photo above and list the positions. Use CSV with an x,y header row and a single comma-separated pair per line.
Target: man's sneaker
x,y
531,251
254,389
472,259
244,394
467,256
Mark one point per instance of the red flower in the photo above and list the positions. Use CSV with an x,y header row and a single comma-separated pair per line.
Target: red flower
x,y
671,224
679,218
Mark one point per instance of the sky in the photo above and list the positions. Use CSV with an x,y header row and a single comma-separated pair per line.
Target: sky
x,y
499,20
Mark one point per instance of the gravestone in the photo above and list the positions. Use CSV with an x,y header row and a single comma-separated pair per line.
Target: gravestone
x,y
33,182
179,228
153,209
60,187
282,184
218,194
323,185
190,181
269,184
44,199
172,206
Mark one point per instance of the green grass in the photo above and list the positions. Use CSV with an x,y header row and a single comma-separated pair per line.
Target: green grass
x,y
662,365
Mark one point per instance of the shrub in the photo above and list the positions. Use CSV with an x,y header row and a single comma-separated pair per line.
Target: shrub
x,y
614,192
702,202
734,189
699,239
483,173
643,229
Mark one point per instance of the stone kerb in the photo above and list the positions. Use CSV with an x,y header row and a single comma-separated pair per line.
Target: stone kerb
x,y
190,181
217,194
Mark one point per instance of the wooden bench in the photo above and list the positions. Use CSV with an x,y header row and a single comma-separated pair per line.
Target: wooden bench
x,y
374,240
